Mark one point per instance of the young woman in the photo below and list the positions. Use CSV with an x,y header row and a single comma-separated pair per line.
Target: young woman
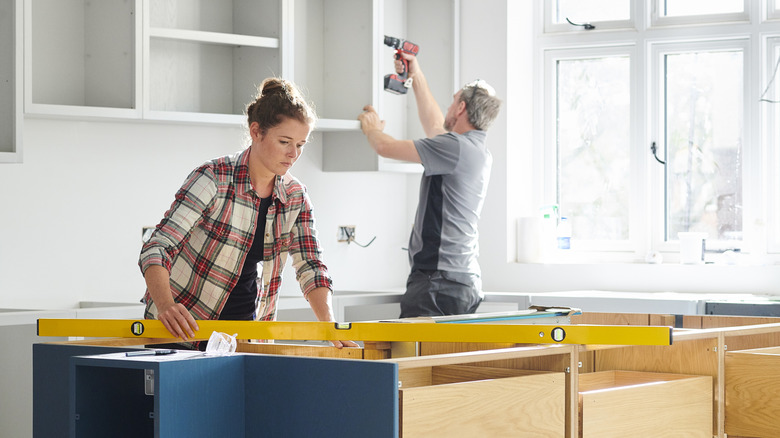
x,y
230,215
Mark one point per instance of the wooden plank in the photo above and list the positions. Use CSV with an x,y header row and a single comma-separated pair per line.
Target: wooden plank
x,y
556,362
692,321
532,362
698,356
300,350
414,377
737,341
611,318
377,350
752,385
616,378
113,342
469,373
715,321
432,348
664,320
481,356
620,404
503,407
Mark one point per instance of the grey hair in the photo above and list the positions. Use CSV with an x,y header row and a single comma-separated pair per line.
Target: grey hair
x,y
482,105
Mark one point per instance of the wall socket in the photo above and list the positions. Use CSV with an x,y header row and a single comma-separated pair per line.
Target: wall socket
x,y
346,233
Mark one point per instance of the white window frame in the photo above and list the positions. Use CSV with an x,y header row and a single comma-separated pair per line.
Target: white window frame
x,y
550,27
657,51
549,191
757,38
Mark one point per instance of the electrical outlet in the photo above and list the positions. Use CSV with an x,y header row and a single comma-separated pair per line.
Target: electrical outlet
x,y
346,233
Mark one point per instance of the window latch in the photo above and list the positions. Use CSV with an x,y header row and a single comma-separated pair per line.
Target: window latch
x,y
654,150
586,26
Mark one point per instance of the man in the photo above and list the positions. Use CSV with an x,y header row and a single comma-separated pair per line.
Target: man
x,y
443,248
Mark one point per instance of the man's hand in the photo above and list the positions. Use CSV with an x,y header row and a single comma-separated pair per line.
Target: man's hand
x,y
411,61
370,121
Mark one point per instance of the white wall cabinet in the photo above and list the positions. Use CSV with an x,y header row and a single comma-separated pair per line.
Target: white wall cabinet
x,y
200,61
82,58
11,19
203,59
357,60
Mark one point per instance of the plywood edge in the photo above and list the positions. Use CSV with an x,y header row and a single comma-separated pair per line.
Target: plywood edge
x,y
615,379
300,350
481,356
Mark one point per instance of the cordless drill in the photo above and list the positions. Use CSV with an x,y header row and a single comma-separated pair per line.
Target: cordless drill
x,y
398,83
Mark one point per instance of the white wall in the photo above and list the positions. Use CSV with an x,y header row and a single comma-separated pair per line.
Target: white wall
x,y
72,213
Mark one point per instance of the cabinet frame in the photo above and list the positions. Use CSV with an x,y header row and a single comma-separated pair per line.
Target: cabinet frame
x,y
82,111
347,149
12,153
151,33
344,146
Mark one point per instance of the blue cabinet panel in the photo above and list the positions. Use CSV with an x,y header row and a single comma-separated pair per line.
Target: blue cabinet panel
x,y
192,395
298,396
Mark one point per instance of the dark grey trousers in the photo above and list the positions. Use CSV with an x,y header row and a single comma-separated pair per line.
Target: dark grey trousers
x,y
437,293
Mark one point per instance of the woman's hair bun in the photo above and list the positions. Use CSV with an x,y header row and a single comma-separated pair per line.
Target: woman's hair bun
x,y
273,86
276,99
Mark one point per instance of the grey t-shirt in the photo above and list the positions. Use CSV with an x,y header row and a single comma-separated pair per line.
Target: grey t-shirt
x,y
452,192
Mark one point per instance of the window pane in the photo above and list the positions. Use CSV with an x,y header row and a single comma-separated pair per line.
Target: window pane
x,y
591,11
771,103
593,133
704,144
677,8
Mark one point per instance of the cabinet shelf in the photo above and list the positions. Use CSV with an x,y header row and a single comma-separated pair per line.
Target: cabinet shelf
x,y
337,125
214,37
205,59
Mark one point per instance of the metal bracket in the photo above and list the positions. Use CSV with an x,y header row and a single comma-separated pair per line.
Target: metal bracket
x,y
149,382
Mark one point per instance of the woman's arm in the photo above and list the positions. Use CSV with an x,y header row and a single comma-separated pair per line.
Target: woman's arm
x,y
320,302
173,315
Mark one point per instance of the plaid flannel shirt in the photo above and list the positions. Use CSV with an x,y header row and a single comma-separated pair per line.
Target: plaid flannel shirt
x,y
204,238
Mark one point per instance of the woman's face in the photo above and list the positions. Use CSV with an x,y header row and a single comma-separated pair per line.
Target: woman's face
x,y
279,147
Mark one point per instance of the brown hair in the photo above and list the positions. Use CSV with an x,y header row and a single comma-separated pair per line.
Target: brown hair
x,y
278,99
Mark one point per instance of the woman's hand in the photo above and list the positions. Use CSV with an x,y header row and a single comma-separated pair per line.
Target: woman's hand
x,y
178,320
342,344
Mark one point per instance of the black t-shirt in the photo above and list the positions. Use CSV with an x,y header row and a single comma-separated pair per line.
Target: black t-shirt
x,y
242,301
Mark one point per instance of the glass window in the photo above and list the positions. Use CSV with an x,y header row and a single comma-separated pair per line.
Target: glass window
x,y
773,9
679,8
593,146
770,103
589,11
697,12
703,116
